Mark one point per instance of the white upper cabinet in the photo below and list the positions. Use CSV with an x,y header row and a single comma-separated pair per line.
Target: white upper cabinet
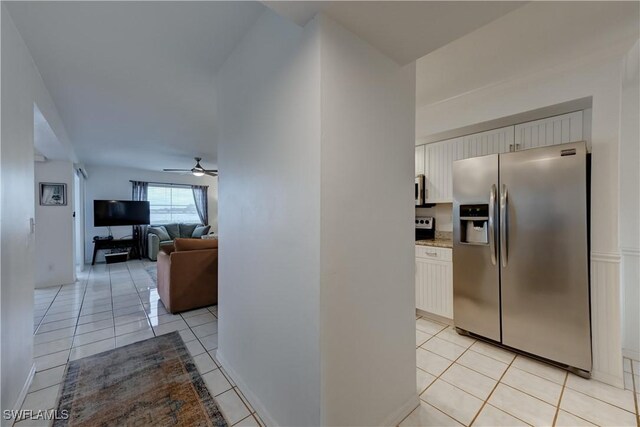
x,y
435,160
420,160
549,131
439,157
494,141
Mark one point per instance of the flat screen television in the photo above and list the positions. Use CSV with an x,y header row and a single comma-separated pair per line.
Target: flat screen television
x,y
108,213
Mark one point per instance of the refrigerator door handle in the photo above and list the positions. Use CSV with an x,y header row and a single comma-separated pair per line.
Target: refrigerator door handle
x,y
492,215
503,225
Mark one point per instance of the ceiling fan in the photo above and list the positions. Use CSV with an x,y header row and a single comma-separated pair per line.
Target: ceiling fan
x,y
197,170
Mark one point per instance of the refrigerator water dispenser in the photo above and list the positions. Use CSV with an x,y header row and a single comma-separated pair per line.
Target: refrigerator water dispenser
x,y
474,227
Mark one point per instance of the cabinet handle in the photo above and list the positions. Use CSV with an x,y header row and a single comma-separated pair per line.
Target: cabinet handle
x,y
517,147
431,254
510,147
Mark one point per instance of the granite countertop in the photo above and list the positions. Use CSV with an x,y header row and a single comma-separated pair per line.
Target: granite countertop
x,y
444,239
438,243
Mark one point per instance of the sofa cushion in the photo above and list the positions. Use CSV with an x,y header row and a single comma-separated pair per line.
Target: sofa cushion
x,y
194,244
159,231
173,230
186,230
200,231
167,249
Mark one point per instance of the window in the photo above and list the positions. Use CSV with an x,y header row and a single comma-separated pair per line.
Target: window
x,y
170,204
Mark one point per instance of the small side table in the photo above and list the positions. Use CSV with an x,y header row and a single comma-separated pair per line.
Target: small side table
x,y
103,244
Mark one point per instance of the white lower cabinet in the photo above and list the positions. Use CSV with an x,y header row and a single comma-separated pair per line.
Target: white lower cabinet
x,y
434,281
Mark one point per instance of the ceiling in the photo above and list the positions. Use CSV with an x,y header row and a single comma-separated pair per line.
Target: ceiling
x,y
132,81
403,30
539,36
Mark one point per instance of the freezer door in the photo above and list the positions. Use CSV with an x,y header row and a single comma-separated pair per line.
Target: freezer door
x,y
476,282
544,253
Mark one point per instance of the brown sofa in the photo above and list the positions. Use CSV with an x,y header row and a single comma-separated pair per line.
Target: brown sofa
x,y
188,274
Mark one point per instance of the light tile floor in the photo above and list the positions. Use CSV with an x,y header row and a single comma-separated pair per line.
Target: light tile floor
x,y
112,306
463,381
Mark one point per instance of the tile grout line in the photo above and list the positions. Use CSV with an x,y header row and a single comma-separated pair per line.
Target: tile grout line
x,y
507,385
437,377
564,385
141,302
233,387
75,328
635,388
47,310
486,401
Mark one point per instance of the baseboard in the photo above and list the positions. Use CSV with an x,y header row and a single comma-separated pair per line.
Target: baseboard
x,y
25,389
403,412
260,409
393,420
435,317
631,354
608,379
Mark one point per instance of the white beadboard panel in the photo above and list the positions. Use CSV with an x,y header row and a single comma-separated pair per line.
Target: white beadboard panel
x,y
630,282
439,158
434,287
605,318
549,131
419,160
495,141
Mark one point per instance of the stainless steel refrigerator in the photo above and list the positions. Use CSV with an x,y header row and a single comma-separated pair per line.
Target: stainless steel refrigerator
x,y
521,251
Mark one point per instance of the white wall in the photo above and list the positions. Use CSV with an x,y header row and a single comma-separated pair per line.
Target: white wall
x,y
22,87
630,202
308,116
54,228
443,214
269,219
367,305
112,183
597,75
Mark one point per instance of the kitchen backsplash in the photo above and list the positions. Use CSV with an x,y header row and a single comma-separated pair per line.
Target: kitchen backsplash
x,y
442,212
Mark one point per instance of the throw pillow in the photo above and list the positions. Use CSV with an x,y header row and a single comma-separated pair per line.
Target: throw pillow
x,y
194,244
186,230
173,230
201,230
159,231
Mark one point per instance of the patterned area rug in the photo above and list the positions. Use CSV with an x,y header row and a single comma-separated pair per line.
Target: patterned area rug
x,y
149,383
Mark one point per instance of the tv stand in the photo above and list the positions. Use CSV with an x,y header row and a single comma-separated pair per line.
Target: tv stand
x,y
102,244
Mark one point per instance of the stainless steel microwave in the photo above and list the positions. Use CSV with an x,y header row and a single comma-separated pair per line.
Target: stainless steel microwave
x,y
420,195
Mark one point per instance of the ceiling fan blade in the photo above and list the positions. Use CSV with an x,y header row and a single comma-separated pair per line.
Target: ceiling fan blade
x,y
211,170
211,173
177,170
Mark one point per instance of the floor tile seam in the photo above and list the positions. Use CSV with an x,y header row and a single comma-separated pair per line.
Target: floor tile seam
x,y
438,377
153,331
533,373
564,385
600,400
486,401
635,391
229,380
47,310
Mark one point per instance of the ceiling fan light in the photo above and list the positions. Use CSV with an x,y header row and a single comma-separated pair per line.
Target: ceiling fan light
x,y
197,173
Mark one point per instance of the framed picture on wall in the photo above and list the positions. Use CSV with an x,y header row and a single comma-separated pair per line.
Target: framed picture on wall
x,y
53,194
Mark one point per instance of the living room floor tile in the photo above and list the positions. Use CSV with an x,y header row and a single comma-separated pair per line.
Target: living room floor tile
x,y
111,303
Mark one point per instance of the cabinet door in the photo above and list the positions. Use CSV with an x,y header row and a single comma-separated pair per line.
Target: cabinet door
x,y
420,160
434,287
439,157
494,141
549,131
